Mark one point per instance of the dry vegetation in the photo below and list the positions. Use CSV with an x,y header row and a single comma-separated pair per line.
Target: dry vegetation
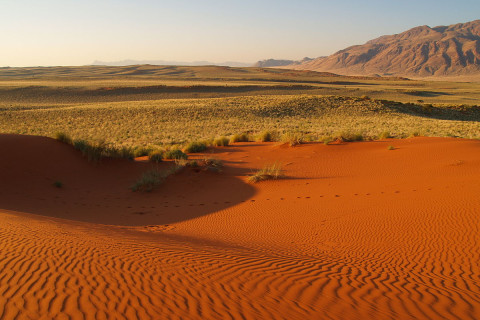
x,y
145,107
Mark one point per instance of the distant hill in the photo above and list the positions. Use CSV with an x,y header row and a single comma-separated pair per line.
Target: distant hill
x,y
129,62
270,63
419,52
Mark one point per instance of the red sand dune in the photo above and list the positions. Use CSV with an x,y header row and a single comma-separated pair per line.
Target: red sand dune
x,y
354,231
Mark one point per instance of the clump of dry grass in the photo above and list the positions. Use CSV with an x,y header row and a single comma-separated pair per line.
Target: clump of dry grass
x,y
221,142
63,137
265,136
195,147
268,172
212,164
292,138
384,135
244,137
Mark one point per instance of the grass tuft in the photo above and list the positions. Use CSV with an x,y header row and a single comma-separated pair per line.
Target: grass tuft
x,y
244,137
63,137
156,156
269,172
384,135
175,154
265,136
221,142
58,184
292,138
195,147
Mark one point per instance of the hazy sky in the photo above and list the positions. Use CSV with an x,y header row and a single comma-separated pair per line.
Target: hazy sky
x,y
77,32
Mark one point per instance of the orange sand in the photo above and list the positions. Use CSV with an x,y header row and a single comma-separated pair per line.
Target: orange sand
x,y
355,231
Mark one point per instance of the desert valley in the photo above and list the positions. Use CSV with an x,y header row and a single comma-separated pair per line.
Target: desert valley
x,y
340,187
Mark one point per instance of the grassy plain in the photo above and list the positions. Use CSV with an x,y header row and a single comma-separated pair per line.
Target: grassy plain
x,y
143,105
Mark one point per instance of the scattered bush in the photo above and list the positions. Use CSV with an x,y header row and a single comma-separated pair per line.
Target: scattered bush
x,y
292,139
414,134
58,184
265,136
195,146
269,172
92,151
221,142
391,148
155,156
148,181
244,137
349,136
326,139
175,154
63,137
141,151
212,164
384,135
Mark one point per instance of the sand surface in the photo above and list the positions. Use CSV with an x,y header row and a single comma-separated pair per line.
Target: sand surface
x,y
354,231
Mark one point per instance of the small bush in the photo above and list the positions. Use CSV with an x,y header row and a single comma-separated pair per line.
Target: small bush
x,y
92,151
292,139
391,148
58,184
265,136
155,156
148,181
326,139
384,135
221,142
195,146
414,134
123,153
141,151
240,138
349,136
212,164
63,137
271,172
175,154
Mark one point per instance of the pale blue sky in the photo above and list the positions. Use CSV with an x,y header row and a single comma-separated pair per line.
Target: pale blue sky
x,y
77,32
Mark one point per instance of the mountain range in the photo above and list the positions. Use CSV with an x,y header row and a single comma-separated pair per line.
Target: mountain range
x,y
441,51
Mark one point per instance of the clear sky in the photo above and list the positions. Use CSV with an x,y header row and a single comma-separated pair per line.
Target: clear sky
x,y
77,32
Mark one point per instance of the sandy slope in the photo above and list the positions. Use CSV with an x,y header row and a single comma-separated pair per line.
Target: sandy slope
x,y
356,231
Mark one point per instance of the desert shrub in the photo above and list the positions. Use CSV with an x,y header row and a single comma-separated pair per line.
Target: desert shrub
x,y
391,148
384,135
58,184
196,146
212,164
269,172
292,138
348,136
63,137
414,134
221,142
122,152
265,136
244,137
326,139
175,154
141,151
92,151
155,156
148,181
365,97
